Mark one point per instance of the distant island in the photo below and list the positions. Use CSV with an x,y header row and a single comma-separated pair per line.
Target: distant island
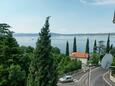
x,y
59,34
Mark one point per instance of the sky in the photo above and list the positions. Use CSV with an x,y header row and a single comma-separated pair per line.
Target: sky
x,y
67,16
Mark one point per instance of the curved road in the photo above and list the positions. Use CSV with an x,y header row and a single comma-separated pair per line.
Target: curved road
x,y
96,79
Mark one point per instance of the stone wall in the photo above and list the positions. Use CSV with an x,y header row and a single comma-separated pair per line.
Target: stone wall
x,y
112,78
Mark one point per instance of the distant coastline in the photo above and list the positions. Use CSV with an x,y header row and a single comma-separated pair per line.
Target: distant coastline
x,y
59,34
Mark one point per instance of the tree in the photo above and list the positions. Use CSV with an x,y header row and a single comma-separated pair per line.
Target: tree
x,y
108,44
43,69
95,47
16,75
111,47
113,69
113,51
55,50
8,45
101,47
67,65
87,46
10,59
95,59
74,45
67,48
26,58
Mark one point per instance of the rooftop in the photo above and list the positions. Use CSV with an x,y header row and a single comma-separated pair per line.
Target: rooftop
x,y
79,55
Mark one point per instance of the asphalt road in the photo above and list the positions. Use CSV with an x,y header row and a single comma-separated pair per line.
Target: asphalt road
x,y
96,79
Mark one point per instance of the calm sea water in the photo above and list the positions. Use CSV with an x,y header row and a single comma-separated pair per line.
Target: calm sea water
x,y
60,41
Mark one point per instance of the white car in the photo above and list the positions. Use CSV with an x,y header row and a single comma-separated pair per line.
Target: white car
x,y
66,78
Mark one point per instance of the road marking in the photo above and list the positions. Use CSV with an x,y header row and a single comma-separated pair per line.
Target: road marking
x,y
75,80
95,69
82,77
105,79
87,72
86,81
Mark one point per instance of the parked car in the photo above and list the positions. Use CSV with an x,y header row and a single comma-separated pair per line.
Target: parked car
x,y
66,78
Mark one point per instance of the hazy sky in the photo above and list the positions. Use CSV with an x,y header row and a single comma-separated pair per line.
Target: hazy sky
x,y
67,16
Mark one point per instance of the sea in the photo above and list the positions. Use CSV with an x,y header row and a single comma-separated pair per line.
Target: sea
x,y
60,41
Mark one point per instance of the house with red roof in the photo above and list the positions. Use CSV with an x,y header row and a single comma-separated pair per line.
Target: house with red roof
x,y
82,56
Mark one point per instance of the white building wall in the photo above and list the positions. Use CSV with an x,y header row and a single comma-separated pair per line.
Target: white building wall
x,y
84,61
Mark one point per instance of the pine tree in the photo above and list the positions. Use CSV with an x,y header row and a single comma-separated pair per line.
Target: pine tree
x,y
13,74
95,47
87,46
43,68
74,45
108,44
67,48
9,45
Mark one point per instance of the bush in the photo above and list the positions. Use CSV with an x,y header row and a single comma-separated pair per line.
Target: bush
x,y
95,59
113,70
68,65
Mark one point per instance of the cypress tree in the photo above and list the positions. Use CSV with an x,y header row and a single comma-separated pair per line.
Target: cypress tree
x,y
87,46
108,44
111,46
95,47
74,45
43,68
67,48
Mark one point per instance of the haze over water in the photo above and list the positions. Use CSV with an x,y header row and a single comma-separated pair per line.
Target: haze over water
x,y
60,41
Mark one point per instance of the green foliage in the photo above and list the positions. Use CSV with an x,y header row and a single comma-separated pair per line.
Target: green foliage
x,y
16,76
41,66
87,46
95,59
25,59
95,47
108,44
73,65
111,47
113,64
101,47
55,50
28,49
67,48
8,45
14,62
113,51
67,65
3,77
43,69
74,45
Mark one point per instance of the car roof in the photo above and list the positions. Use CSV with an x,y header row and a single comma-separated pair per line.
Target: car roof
x,y
68,76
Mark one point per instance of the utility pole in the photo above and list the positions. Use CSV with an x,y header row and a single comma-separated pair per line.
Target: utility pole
x,y
89,83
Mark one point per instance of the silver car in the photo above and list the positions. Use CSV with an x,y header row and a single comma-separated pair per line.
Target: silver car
x,y
66,78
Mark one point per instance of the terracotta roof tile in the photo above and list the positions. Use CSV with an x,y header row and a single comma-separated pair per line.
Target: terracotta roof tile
x,y
79,55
